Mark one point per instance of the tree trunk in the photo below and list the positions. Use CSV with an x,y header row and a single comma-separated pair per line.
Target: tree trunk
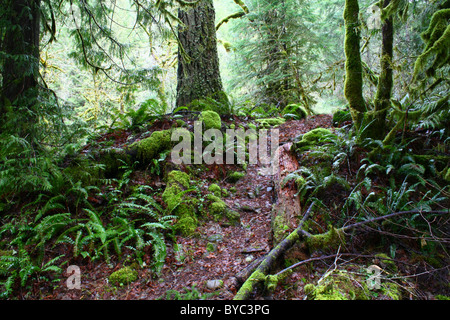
x,y
377,129
21,65
353,67
198,61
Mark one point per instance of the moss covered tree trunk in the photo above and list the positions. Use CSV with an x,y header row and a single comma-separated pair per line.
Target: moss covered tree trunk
x,y
377,128
198,61
20,46
353,67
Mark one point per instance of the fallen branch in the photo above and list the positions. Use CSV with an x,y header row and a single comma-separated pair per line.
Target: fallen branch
x,y
260,273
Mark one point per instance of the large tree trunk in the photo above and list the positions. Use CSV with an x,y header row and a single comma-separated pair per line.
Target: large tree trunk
x,y
353,67
377,128
198,61
21,65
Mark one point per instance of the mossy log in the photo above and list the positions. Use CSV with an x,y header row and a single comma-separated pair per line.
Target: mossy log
x,y
259,275
287,208
332,237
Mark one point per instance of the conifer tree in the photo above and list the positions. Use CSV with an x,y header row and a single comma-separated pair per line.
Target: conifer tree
x,y
198,61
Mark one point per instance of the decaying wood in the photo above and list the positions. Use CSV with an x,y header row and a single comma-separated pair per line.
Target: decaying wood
x,y
287,209
262,270
264,267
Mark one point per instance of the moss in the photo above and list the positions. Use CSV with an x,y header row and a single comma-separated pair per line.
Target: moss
x,y
233,216
247,287
353,66
279,227
215,189
186,224
385,262
337,285
123,276
341,116
149,148
271,122
294,111
392,290
330,239
218,208
235,176
211,120
447,175
314,137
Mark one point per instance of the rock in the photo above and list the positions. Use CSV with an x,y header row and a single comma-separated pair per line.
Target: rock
x,y
249,258
215,237
214,284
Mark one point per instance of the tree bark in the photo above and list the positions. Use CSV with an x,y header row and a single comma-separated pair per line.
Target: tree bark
x,y
377,129
21,65
198,60
353,67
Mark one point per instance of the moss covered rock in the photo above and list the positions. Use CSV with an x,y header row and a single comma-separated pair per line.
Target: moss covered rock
x,y
271,122
149,148
294,111
123,276
235,176
338,285
179,203
211,120
314,137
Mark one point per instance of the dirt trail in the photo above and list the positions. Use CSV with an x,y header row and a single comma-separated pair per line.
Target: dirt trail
x,y
189,264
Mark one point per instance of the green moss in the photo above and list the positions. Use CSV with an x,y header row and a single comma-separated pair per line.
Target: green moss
x,y
218,208
123,276
180,177
179,204
330,239
187,224
211,120
271,122
235,176
233,217
337,285
340,117
247,287
353,76
149,148
294,111
312,138
215,189
392,290
280,227
386,263
447,175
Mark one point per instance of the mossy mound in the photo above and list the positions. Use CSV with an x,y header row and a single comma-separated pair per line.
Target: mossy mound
x,y
179,203
149,148
341,116
294,111
338,285
211,120
235,176
123,276
312,138
270,122
330,239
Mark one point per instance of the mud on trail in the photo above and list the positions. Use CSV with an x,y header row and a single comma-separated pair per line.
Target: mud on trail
x,y
204,265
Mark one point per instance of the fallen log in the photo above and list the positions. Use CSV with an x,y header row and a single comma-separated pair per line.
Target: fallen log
x,y
264,267
260,274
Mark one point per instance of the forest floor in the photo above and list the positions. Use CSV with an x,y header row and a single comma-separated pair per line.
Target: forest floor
x,y
193,275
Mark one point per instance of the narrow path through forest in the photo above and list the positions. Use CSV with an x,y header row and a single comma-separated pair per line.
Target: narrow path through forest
x,y
206,265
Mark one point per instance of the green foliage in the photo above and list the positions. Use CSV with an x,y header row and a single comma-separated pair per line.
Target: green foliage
x,y
273,59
